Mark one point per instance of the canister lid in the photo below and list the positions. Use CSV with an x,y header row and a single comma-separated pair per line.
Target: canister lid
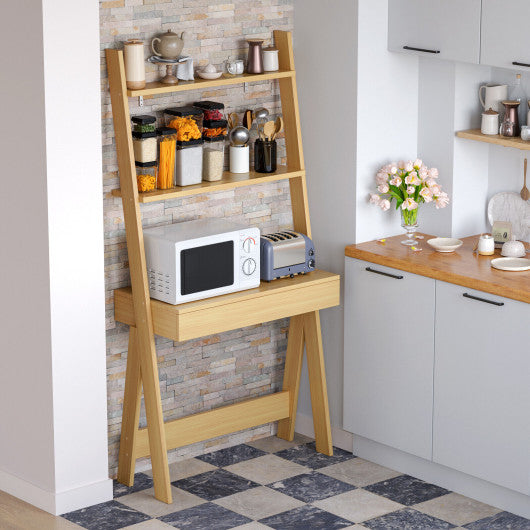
x,y
190,143
143,119
142,135
145,164
165,131
184,111
490,112
209,139
209,105
214,124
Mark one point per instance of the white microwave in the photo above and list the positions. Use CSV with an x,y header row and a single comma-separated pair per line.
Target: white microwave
x,y
199,259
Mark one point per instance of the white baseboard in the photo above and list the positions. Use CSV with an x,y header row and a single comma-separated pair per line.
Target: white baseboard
x,y
56,503
480,490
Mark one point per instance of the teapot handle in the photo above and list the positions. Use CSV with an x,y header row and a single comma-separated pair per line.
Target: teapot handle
x,y
153,46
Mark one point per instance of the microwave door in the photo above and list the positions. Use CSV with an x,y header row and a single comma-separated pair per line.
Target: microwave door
x,y
207,267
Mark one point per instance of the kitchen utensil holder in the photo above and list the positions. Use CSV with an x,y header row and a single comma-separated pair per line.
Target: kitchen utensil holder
x,y
265,156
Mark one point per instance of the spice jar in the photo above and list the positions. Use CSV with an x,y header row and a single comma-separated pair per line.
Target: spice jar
x,y
213,158
167,143
215,129
144,146
143,123
188,167
146,174
186,120
212,110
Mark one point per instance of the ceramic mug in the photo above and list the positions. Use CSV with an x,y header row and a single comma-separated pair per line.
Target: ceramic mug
x,y
494,94
486,245
236,67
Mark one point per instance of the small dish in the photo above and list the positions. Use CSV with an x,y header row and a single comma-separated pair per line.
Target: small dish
x,y
210,75
511,264
445,244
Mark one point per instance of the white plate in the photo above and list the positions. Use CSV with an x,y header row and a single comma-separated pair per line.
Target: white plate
x,y
208,75
445,244
511,264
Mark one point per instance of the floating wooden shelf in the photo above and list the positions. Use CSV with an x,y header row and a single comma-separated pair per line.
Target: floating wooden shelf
x,y
156,88
475,134
270,301
229,181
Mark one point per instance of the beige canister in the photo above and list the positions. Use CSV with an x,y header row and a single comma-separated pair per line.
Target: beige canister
x,y
133,51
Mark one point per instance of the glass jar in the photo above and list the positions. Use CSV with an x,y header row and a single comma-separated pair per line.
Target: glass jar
x,y
215,129
213,159
167,143
144,146
188,167
187,121
146,174
213,111
143,123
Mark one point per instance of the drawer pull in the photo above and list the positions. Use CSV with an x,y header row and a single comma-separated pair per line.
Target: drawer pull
x,y
492,302
395,276
411,48
515,63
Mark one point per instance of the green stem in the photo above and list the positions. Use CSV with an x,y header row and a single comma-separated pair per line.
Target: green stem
x,y
410,217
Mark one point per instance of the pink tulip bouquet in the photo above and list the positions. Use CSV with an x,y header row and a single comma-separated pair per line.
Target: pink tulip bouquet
x,y
410,184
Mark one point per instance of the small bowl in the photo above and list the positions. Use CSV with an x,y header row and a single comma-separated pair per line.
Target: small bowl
x,y
445,244
210,75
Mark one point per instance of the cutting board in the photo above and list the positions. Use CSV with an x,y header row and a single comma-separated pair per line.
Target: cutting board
x,y
508,206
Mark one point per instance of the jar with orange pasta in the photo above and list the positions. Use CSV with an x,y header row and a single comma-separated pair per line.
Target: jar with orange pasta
x,y
146,173
187,121
167,147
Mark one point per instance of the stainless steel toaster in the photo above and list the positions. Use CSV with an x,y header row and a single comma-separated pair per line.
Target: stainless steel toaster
x,y
285,253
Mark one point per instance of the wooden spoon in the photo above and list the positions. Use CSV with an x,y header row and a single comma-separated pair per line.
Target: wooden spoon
x,y
525,192
233,120
269,129
247,119
278,127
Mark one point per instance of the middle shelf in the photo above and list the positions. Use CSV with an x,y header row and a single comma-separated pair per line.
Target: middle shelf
x,y
281,298
229,181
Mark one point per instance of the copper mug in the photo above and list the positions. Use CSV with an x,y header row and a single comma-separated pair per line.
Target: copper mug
x,y
255,56
510,124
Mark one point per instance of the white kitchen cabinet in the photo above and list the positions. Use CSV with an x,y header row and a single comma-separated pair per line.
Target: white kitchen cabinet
x,y
448,29
389,356
482,386
505,27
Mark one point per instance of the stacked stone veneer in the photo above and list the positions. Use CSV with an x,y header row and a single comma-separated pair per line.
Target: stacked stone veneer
x,y
220,369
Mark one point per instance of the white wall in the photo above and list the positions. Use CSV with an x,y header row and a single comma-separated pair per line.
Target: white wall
x,y
53,452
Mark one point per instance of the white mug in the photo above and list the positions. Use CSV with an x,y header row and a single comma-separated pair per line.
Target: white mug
x,y
236,67
494,94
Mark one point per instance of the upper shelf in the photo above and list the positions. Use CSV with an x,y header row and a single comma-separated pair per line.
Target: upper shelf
x,y
475,134
155,88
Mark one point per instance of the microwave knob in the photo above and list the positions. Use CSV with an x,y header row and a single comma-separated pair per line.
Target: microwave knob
x,y
249,266
249,244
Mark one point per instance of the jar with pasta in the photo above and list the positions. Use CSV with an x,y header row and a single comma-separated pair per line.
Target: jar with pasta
x,y
146,176
167,144
187,121
213,158
215,128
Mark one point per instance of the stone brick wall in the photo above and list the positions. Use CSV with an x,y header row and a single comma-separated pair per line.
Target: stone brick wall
x,y
220,369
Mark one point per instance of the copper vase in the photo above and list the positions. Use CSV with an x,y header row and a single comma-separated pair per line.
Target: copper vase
x,y
255,56
510,124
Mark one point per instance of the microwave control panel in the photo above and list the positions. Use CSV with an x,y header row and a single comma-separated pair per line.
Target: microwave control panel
x,y
249,257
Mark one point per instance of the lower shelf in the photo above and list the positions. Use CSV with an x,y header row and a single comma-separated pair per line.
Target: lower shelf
x,y
270,301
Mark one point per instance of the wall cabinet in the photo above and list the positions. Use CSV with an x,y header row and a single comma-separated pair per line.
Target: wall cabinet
x,y
482,386
403,334
447,30
389,359
505,33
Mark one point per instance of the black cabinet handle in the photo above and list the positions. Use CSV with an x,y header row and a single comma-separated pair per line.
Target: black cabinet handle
x,y
411,48
515,63
492,302
395,276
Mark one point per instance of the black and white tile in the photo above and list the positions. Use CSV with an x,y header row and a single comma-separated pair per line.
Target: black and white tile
x,y
282,485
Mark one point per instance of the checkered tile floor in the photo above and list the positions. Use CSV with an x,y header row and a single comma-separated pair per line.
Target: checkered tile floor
x,y
282,485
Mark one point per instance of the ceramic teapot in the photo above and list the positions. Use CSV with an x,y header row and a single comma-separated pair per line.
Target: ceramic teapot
x,y
169,45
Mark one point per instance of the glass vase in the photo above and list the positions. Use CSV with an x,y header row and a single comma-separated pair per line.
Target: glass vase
x,y
409,222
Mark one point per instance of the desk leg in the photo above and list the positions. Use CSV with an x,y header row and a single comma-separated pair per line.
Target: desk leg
x,y
291,376
317,382
131,413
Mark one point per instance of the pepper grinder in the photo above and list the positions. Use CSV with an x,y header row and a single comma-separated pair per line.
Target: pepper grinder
x,y
255,56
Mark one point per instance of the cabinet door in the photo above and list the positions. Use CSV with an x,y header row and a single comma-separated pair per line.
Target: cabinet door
x,y
505,25
482,386
388,356
448,29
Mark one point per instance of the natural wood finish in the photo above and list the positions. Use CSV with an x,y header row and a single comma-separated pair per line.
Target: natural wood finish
x,y
317,382
291,375
132,400
462,267
156,88
229,181
140,287
475,134
270,301
220,421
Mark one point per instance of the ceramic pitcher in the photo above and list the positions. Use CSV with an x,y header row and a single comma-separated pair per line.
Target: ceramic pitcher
x,y
493,96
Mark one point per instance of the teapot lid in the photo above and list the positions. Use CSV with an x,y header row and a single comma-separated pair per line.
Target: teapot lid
x,y
169,33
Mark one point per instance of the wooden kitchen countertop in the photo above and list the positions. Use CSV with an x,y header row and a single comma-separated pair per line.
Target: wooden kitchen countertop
x,y
462,267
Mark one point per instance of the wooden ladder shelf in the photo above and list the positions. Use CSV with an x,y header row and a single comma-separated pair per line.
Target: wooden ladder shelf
x,y
299,298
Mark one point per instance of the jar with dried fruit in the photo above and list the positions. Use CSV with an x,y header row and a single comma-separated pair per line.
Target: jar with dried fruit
x,y
212,110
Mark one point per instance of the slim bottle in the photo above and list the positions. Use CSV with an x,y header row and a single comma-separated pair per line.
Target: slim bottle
x,y
517,93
